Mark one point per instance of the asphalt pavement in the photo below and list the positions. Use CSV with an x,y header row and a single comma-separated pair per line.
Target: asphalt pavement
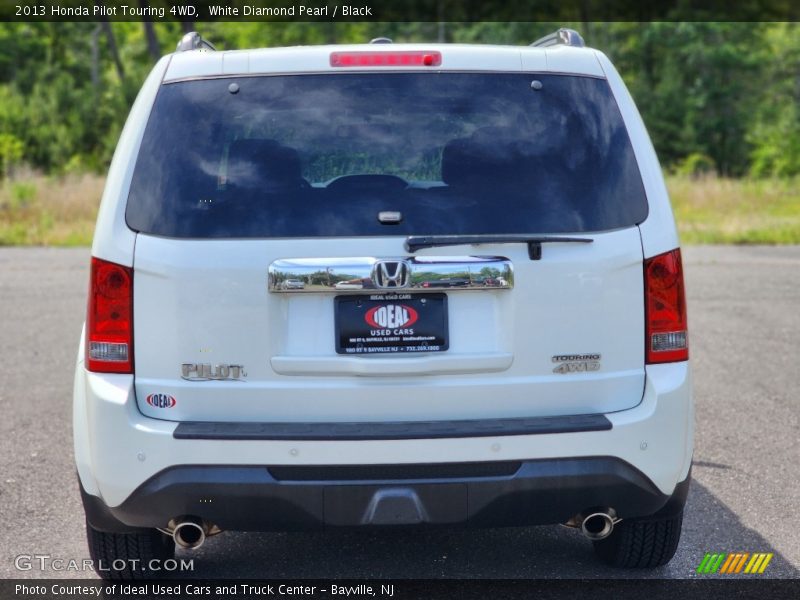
x,y
744,307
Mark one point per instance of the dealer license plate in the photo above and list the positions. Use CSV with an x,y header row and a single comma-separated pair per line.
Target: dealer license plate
x,y
391,323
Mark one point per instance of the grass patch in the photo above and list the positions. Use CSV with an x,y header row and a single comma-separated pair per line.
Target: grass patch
x,y
45,211
49,211
713,210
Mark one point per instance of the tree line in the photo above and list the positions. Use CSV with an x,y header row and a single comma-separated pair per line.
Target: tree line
x,y
716,97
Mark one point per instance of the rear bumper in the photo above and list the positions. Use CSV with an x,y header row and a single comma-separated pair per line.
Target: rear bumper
x,y
123,456
260,498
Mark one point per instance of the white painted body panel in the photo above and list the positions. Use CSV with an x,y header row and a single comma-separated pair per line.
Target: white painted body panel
x,y
207,302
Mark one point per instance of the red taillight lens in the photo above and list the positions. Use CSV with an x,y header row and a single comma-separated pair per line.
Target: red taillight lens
x,y
109,318
665,309
411,58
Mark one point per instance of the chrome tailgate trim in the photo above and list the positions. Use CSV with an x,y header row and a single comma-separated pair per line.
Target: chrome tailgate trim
x,y
409,274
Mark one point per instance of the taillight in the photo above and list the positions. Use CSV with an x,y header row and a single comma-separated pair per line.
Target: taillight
x,y
109,318
665,309
408,58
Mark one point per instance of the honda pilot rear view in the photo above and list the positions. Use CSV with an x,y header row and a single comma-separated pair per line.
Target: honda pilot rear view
x,y
384,286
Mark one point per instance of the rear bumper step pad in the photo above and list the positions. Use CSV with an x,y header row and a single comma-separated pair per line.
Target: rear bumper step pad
x,y
403,430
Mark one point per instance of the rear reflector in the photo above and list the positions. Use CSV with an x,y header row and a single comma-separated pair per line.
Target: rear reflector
x,y
665,309
411,58
109,318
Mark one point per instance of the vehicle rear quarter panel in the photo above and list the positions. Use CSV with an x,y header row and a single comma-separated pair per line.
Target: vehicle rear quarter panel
x,y
113,240
81,433
658,230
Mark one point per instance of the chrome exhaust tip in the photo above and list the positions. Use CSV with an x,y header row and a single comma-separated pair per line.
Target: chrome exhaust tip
x,y
598,525
189,533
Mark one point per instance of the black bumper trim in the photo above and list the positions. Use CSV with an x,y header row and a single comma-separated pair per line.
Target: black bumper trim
x,y
342,473
401,430
248,498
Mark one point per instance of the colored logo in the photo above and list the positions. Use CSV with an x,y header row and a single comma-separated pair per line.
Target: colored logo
x,y
391,316
734,563
161,400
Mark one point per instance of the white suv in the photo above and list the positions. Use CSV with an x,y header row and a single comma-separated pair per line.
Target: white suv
x,y
384,285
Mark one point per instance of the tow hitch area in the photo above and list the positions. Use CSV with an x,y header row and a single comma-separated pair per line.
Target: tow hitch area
x,y
346,506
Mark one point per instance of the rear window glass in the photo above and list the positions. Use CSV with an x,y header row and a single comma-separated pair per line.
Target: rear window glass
x,y
325,155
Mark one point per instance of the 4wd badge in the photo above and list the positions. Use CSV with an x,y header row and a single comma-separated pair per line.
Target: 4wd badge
x,y
576,363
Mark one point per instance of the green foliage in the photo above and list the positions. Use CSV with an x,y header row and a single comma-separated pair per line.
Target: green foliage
x,y
715,96
696,84
22,194
695,165
11,150
775,132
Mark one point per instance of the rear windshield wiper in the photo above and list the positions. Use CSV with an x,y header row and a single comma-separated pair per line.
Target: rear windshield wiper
x,y
417,242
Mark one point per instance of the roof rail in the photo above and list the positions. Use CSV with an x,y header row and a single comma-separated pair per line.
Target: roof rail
x,y
562,37
193,41
381,40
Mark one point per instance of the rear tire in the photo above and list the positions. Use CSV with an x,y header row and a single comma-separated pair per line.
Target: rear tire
x,y
641,543
134,550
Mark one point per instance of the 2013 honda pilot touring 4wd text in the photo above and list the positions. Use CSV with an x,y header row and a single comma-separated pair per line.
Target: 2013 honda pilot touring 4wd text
x,y
395,285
